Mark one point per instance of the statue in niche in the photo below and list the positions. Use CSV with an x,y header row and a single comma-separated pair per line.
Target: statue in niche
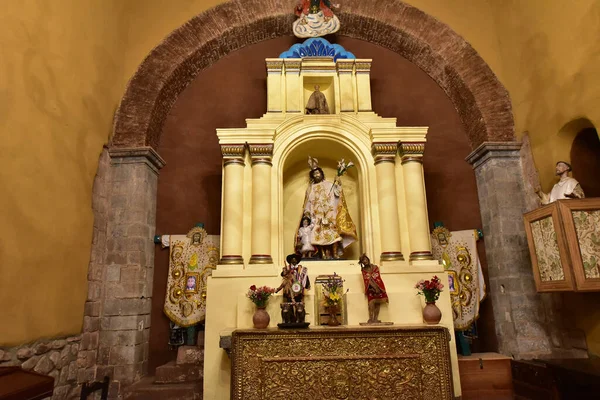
x,y
315,18
325,206
374,289
565,188
306,227
295,282
317,103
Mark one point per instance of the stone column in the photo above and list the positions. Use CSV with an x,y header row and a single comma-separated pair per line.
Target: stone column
x,y
389,221
261,155
520,322
233,203
416,202
124,311
274,85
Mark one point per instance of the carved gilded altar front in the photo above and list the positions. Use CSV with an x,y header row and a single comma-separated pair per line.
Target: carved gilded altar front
x,y
342,363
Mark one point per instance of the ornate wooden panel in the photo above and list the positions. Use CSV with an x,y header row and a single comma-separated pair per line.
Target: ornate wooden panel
x,y
342,363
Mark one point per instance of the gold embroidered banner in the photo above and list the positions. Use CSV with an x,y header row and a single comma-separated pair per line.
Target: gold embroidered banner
x,y
457,251
192,258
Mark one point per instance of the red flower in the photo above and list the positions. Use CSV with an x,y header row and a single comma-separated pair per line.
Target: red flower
x,y
253,287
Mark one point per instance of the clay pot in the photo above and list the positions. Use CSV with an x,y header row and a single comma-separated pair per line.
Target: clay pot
x,y
432,314
333,311
261,318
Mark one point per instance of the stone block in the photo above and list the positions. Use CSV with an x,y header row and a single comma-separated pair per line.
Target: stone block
x,y
56,359
86,375
136,258
127,307
86,359
41,348
121,338
129,322
116,257
72,374
58,344
125,290
128,373
64,375
91,324
61,392
94,291
92,308
138,230
103,356
5,355
31,363
173,373
44,365
133,274
102,371
126,355
190,355
24,353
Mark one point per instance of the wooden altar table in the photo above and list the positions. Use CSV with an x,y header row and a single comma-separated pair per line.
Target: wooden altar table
x,y
393,362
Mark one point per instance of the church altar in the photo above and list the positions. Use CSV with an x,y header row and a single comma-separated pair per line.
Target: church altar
x,y
408,362
319,105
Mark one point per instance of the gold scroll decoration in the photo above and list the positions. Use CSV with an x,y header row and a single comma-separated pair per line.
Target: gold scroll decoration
x,y
349,363
192,258
457,251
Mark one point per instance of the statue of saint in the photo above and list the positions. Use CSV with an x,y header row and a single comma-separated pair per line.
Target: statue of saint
x,y
374,288
317,103
325,206
565,188
315,19
295,282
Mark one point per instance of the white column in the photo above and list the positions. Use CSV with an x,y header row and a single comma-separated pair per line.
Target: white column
x,y
233,203
389,222
416,202
261,155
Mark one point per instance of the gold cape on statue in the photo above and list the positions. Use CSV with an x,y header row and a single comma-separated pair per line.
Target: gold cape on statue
x,y
192,258
457,251
324,203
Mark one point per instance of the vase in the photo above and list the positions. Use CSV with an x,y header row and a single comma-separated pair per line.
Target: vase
x,y
333,320
431,313
261,318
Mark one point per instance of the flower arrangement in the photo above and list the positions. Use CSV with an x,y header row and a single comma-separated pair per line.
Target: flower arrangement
x,y
259,296
431,289
333,290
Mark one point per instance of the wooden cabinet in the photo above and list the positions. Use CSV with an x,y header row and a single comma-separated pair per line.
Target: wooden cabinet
x,y
564,244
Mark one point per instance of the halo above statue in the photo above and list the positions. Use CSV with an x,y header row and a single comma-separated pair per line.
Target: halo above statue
x,y
315,19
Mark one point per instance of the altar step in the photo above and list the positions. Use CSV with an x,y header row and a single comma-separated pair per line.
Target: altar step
x,y
147,389
181,379
485,376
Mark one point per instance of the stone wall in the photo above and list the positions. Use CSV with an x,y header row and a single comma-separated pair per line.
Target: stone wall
x,y
528,324
61,359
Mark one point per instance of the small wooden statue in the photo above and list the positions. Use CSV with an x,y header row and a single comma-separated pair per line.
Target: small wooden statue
x,y
295,281
374,289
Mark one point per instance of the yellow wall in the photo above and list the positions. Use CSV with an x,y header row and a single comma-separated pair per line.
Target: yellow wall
x,y
61,76
63,68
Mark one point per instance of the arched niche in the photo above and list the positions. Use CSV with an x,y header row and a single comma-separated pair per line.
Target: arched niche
x,y
328,142
296,180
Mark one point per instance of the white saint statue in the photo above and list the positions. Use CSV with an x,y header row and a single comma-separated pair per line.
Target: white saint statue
x,y
565,188
325,206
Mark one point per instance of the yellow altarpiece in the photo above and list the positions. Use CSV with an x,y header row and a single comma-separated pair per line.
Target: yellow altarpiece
x,y
265,176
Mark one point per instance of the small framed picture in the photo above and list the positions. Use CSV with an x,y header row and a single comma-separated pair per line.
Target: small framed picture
x,y
191,282
452,282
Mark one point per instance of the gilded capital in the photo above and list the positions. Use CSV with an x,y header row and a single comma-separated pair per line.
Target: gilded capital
x,y
274,65
384,152
233,153
292,64
363,66
261,153
345,66
411,151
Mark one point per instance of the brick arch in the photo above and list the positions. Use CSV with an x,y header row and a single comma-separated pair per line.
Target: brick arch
x,y
480,99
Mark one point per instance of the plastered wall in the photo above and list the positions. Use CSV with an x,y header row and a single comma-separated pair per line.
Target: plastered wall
x,y
63,68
